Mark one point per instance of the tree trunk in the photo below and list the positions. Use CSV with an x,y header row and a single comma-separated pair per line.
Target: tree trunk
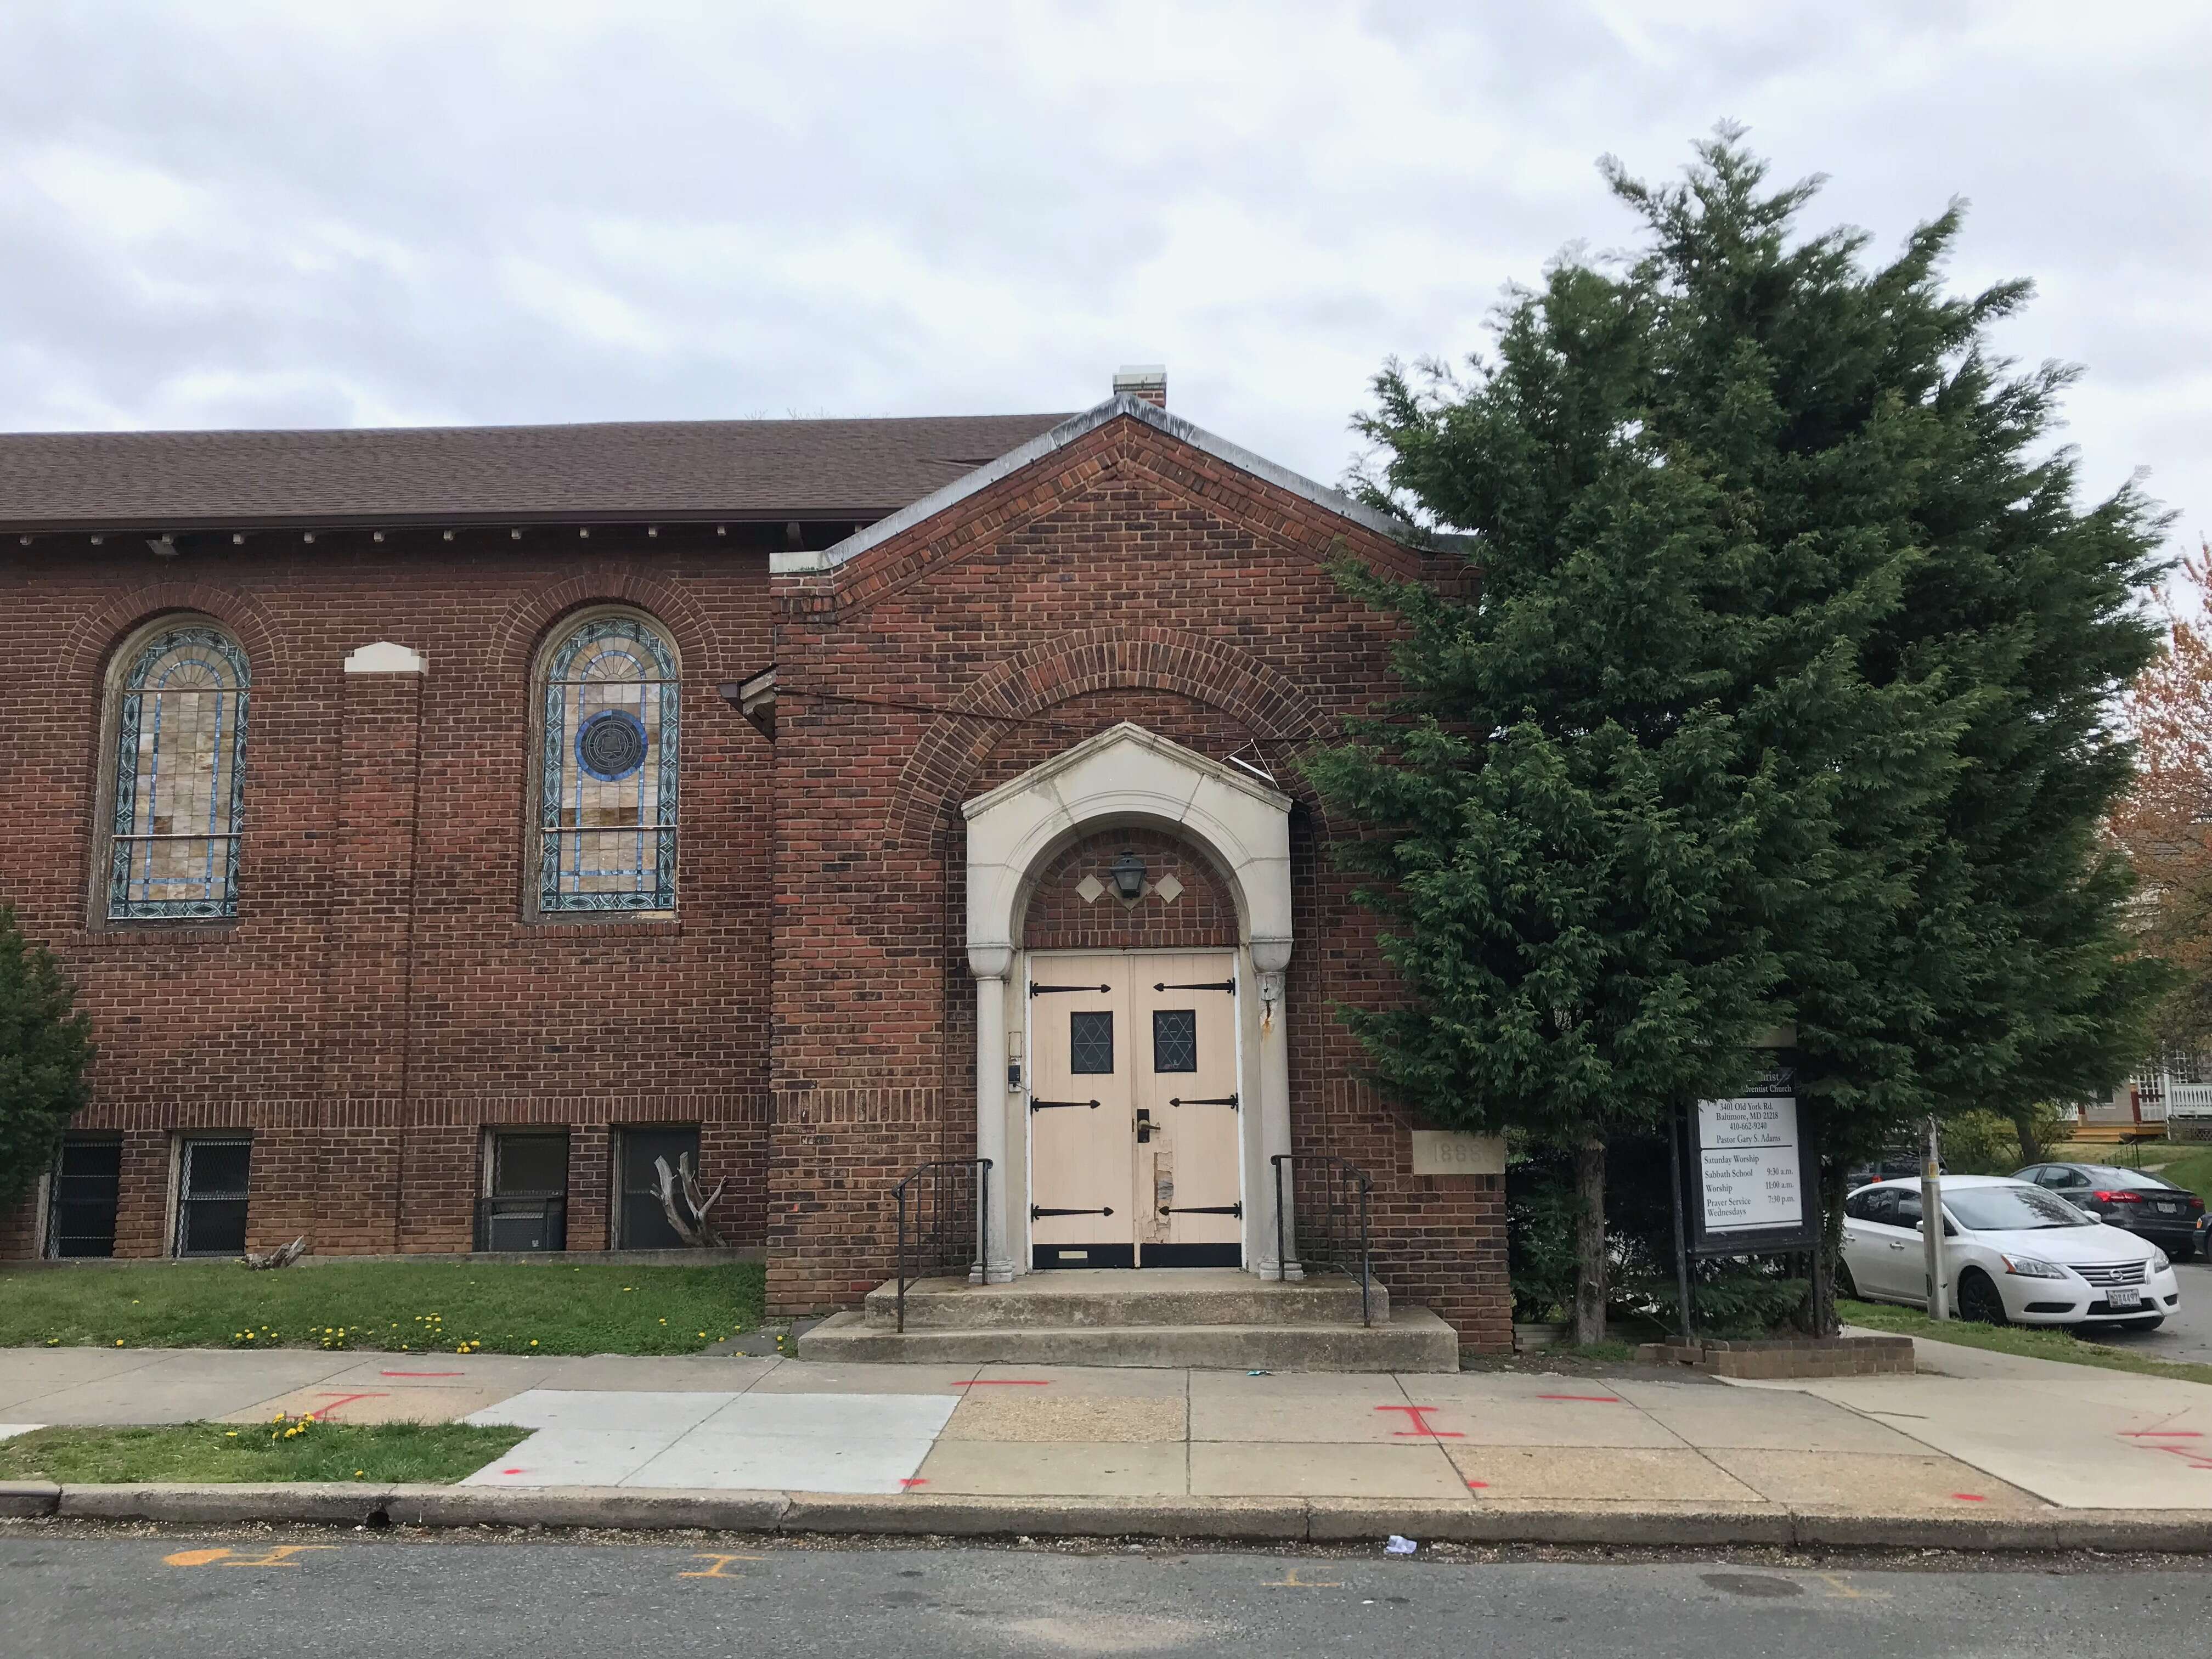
x,y
1590,1277
2023,1124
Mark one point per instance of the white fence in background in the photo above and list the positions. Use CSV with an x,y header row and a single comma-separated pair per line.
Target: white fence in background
x,y
2189,1100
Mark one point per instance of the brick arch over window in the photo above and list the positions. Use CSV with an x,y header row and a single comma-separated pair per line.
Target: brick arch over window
x,y
1073,906
520,637
89,645
1210,671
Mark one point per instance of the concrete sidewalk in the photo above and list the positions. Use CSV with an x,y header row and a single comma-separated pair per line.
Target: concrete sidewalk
x,y
1987,1434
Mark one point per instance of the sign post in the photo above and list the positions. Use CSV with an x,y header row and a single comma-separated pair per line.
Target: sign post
x,y
1931,1222
1675,1131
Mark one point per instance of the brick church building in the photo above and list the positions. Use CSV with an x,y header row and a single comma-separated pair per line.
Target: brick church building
x,y
442,825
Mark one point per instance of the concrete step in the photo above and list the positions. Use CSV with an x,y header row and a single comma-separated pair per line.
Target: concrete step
x,y
1107,1297
1414,1339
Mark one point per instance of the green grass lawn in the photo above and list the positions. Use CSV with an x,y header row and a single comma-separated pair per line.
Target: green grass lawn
x,y
2184,1166
2031,1342
428,1306
211,1451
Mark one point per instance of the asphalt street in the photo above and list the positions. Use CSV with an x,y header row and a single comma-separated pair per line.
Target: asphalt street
x,y
2187,1333
179,1597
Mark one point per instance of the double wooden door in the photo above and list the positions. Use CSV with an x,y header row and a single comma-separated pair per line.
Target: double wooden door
x,y
1133,1111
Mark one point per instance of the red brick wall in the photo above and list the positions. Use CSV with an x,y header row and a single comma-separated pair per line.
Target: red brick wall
x,y
1200,916
382,993
1127,577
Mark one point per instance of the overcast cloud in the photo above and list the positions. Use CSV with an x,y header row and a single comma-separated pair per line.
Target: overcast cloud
x,y
341,212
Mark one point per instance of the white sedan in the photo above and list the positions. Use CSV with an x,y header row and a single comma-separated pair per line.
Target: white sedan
x,y
2013,1253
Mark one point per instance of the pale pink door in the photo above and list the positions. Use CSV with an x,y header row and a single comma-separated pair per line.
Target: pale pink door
x,y
1184,1009
1082,1144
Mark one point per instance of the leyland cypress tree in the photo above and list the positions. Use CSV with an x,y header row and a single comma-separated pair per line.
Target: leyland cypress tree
x,y
44,1050
1784,646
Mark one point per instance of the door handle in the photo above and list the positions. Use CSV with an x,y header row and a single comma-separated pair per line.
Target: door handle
x,y
1143,1125
1896,1243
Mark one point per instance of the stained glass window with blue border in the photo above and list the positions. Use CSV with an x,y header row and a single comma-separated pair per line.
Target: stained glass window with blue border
x,y
607,779
179,778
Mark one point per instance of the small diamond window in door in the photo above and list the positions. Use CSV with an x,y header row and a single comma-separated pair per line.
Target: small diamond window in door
x,y
1175,1039
1091,1043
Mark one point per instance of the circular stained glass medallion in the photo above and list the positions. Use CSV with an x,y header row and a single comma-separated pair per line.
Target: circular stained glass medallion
x,y
610,744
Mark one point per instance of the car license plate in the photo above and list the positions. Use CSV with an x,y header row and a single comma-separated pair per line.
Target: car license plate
x,y
2128,1297
2167,1209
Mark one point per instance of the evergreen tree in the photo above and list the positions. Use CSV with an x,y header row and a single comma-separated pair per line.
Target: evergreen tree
x,y
1776,695
44,1050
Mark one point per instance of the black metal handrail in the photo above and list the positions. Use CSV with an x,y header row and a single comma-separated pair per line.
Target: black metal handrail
x,y
951,1222
1332,1200
549,1210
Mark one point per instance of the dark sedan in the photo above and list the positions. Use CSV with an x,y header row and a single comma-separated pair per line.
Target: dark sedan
x,y
2157,1210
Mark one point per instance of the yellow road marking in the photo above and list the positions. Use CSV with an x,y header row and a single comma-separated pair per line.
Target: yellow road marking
x,y
719,1561
277,1555
1840,1591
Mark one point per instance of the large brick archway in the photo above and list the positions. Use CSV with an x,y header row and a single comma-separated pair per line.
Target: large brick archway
x,y
1126,775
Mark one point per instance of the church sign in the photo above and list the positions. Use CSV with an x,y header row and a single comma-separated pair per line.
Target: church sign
x,y
1752,1179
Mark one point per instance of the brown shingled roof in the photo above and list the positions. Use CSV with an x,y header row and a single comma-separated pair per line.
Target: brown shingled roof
x,y
629,470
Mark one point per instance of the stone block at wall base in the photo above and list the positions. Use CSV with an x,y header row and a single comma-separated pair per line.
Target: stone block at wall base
x,y
1789,1358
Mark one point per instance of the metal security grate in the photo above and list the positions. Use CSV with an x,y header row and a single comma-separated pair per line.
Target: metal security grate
x,y
1174,1039
211,1196
1090,1044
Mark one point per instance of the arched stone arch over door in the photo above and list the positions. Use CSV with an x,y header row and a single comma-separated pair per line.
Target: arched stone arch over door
x,y
1126,775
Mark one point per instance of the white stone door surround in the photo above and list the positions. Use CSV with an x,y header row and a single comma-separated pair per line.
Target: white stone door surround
x,y
1128,775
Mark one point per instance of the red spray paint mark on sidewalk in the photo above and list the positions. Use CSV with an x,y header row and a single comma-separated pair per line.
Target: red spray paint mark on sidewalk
x,y
337,1401
1593,1399
909,1482
1473,1483
1970,1497
1417,1415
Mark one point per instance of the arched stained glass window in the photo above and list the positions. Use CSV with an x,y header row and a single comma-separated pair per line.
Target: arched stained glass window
x,y
607,769
179,776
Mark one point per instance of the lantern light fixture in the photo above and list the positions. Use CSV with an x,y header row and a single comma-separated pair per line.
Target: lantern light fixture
x,y
1128,876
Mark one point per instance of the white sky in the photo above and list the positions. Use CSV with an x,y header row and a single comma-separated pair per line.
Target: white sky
x,y
233,213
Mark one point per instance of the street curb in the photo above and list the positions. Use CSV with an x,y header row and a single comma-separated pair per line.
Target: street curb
x,y
1241,1519
24,1500
625,1508
326,1503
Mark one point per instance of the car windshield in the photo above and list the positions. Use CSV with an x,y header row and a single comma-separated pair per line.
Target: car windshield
x,y
2011,1209
2104,1175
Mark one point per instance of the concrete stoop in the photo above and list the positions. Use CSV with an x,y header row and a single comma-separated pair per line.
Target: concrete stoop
x,y
1210,1318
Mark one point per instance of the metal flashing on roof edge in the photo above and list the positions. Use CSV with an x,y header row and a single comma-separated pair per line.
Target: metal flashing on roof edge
x,y
1059,437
